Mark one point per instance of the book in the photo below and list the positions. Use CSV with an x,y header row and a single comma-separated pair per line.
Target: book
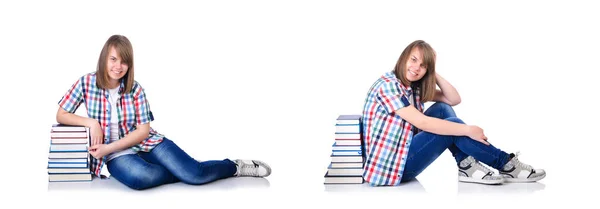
x,y
69,140
347,136
68,155
348,142
68,128
68,170
346,153
356,171
335,147
70,177
346,165
65,134
349,119
348,179
346,159
68,147
68,160
347,128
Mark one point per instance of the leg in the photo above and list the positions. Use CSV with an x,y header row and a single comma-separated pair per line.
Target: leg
x,y
424,149
186,168
442,111
136,173
427,147
487,154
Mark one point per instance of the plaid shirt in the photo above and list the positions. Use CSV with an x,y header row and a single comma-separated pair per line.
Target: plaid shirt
x,y
132,108
386,136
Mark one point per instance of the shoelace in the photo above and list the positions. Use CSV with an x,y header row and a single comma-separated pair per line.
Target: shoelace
x,y
518,163
248,169
480,166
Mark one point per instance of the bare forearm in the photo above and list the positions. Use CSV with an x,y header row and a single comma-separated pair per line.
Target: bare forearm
x,y
447,89
73,119
443,127
131,139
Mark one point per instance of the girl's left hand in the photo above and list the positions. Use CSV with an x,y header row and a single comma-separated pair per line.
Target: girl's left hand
x,y
99,150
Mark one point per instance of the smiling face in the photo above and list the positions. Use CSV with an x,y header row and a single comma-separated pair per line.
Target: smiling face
x,y
115,67
415,68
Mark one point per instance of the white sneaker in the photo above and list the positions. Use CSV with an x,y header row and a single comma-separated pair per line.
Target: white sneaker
x,y
472,171
253,168
517,172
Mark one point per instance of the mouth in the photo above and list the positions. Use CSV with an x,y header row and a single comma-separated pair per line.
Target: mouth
x,y
412,73
117,71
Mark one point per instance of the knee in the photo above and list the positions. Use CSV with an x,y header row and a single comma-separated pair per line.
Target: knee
x,y
441,105
444,107
455,119
195,179
141,180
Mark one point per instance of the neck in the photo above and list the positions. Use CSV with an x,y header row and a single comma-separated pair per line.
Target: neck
x,y
113,84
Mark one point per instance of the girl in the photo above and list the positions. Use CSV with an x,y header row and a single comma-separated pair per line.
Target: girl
x,y
396,148
122,140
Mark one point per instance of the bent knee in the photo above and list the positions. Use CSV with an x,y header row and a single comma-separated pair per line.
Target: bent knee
x,y
441,105
141,180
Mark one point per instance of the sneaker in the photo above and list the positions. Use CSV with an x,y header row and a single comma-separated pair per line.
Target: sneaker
x,y
472,171
516,171
253,168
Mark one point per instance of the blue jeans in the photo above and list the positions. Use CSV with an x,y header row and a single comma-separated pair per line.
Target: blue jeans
x,y
427,147
167,163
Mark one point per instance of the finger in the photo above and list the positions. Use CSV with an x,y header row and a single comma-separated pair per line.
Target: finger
x,y
97,140
93,147
93,153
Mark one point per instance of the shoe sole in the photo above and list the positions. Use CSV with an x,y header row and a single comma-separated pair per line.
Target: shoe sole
x,y
520,180
480,181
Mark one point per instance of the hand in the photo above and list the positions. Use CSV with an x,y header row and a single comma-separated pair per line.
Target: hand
x,y
99,150
96,134
476,133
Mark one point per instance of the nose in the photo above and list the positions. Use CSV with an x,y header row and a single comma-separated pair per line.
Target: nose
x,y
119,65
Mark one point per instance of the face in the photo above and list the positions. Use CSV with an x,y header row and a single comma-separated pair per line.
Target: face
x,y
415,69
116,68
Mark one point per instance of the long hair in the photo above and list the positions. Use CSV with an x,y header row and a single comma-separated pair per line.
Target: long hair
x,y
125,50
426,85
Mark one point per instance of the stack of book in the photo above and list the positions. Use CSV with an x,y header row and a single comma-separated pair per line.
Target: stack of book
x,y
68,158
347,157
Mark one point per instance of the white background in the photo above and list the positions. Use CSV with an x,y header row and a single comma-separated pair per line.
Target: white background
x,y
267,79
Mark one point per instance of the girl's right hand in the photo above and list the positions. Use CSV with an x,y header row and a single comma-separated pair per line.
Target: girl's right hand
x,y
96,134
476,133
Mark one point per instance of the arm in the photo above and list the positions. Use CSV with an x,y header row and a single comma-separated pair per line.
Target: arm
x,y
64,117
131,139
68,118
135,137
69,103
439,126
143,117
447,93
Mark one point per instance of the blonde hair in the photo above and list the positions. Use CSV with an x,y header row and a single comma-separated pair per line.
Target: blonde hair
x,y
125,50
426,85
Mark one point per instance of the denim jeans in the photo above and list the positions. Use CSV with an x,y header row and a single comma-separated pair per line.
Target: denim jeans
x,y
427,147
167,163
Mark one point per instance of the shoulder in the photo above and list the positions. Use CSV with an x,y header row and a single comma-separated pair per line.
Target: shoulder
x,y
88,78
389,80
136,88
